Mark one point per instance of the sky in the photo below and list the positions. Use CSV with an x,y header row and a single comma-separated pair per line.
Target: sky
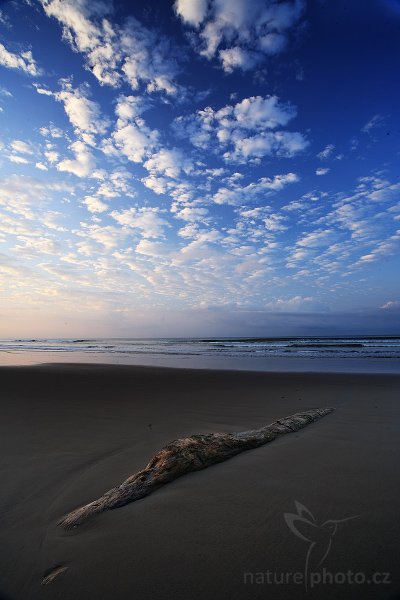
x,y
199,167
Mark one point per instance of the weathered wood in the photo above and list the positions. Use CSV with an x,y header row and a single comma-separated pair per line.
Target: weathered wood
x,y
53,573
186,455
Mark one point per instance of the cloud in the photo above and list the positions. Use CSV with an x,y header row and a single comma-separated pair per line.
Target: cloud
x,y
51,131
240,195
391,305
293,304
21,160
315,239
135,140
261,113
191,11
43,91
37,245
82,165
326,152
387,247
168,162
237,58
281,143
22,195
375,122
5,93
107,236
192,215
147,220
84,114
149,248
130,107
21,147
4,20
95,205
322,171
131,136
248,130
116,183
362,212
23,61
116,54
240,33
51,155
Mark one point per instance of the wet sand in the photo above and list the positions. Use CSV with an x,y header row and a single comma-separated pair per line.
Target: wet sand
x,y
70,432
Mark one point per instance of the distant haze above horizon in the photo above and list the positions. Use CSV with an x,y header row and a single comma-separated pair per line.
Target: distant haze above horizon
x,y
199,168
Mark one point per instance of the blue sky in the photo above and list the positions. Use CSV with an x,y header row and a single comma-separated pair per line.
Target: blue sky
x,y
225,167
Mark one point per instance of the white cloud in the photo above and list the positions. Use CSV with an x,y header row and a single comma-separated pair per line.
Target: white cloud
x,y
261,113
280,143
391,305
315,239
130,107
23,195
146,220
5,92
136,140
149,248
322,171
95,205
191,11
51,131
199,249
168,162
51,155
21,147
326,152
159,185
50,219
39,245
294,304
117,183
249,129
82,165
4,20
42,90
373,123
114,53
18,159
131,137
241,195
272,43
192,215
108,236
240,32
238,58
83,114
387,247
23,61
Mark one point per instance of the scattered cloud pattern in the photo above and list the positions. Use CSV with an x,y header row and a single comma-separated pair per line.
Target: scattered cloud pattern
x,y
170,172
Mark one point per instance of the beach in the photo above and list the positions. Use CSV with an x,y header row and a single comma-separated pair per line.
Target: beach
x,y
70,432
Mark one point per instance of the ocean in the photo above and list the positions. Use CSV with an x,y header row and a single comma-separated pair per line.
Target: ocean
x,y
358,353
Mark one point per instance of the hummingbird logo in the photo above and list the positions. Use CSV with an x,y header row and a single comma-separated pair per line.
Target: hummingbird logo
x,y
319,536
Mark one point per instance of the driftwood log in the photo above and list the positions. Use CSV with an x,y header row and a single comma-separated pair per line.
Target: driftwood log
x,y
186,455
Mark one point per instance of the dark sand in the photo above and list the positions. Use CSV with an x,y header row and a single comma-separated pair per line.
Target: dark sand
x,y
68,433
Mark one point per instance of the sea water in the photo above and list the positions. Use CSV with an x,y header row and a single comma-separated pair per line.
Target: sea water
x,y
358,353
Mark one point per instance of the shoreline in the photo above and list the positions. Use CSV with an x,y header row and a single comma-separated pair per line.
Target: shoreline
x,y
215,363
70,432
